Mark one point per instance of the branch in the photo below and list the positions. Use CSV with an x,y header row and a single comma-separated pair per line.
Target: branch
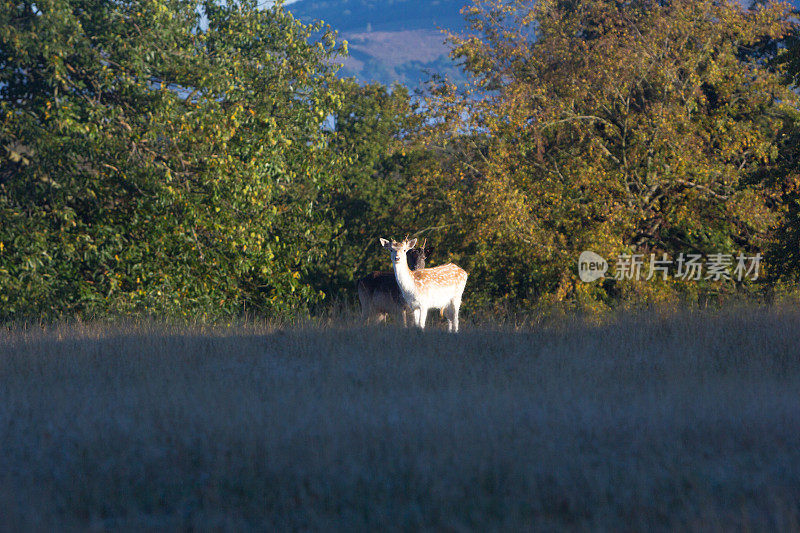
x,y
694,185
429,229
578,117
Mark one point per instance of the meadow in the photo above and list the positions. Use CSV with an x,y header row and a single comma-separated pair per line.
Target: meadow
x,y
646,421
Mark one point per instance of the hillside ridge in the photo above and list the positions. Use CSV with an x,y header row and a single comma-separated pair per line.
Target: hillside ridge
x,y
390,40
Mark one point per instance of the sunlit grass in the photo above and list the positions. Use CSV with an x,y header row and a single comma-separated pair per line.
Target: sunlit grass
x,y
658,420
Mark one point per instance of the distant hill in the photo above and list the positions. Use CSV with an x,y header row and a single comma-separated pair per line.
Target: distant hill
x,y
390,40
355,16
393,40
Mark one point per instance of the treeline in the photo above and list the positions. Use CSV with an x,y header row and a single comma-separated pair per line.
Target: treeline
x,y
178,157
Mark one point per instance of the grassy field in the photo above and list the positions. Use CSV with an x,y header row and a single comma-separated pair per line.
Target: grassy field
x,y
651,421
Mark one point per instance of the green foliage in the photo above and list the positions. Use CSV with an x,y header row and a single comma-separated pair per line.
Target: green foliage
x,y
156,165
372,195
785,173
176,157
791,57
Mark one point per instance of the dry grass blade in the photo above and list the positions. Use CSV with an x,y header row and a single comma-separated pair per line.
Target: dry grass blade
x,y
686,421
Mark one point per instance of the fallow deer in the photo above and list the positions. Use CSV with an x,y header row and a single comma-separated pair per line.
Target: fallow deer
x,y
379,294
427,288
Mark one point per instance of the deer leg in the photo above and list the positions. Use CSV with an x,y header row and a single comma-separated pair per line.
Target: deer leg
x,y
449,312
416,313
367,315
456,305
364,312
423,314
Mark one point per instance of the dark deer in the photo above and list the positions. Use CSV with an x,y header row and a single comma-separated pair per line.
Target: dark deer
x,y
379,294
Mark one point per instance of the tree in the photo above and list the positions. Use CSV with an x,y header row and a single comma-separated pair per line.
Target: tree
x,y
371,197
156,164
784,172
637,126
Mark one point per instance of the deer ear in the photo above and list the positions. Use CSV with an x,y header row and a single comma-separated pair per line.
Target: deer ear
x,y
385,243
412,243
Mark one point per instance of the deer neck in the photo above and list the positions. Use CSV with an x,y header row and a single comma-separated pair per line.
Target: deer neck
x,y
404,279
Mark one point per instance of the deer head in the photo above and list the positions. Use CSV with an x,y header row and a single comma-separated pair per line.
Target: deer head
x,y
417,256
398,249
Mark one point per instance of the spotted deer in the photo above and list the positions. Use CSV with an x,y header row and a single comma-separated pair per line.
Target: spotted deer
x,y
427,288
379,294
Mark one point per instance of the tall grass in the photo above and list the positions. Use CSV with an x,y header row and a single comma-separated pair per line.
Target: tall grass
x,y
655,421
